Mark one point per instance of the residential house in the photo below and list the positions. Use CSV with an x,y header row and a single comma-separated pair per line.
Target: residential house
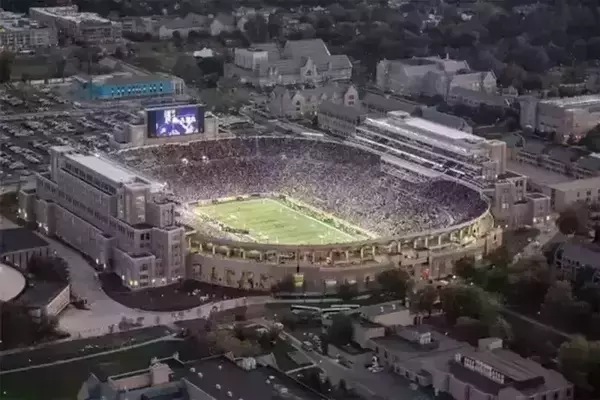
x,y
290,103
222,23
299,62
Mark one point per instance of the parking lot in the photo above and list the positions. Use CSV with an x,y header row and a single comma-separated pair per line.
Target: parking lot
x,y
18,98
28,130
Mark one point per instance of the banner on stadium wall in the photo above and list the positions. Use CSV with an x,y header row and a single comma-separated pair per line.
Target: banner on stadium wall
x,y
298,280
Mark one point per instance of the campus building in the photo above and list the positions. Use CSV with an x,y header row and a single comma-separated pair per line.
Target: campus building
x,y
19,33
564,117
116,218
299,62
18,245
563,195
574,257
81,27
124,86
217,377
431,76
288,103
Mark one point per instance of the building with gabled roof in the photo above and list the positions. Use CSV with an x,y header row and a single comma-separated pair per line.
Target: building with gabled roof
x,y
290,103
298,62
431,76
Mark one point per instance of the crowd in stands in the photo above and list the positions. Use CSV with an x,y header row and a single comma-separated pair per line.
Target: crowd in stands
x,y
341,180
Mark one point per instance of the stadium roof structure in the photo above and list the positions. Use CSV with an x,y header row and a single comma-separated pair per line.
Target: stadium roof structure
x,y
104,167
12,282
434,134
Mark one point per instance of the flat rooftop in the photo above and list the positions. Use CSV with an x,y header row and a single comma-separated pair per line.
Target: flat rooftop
x,y
104,167
261,383
382,308
406,349
433,134
538,175
40,294
579,184
19,239
443,130
12,282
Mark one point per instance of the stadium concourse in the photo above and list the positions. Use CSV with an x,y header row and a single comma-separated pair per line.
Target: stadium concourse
x,y
341,180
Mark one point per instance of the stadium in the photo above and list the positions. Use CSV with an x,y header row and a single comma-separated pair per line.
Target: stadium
x,y
262,208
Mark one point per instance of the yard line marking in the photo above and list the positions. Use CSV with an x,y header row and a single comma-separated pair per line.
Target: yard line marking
x,y
347,235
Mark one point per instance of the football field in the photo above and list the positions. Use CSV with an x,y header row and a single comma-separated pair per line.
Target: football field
x,y
270,221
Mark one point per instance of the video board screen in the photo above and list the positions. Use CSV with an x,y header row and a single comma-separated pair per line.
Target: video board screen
x,y
175,121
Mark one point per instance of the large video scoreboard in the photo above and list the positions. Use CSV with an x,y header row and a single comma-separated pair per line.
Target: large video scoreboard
x,y
169,121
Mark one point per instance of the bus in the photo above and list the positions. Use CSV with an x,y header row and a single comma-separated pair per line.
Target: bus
x,y
328,312
351,306
300,309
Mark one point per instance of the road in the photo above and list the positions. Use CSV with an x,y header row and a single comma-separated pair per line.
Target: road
x,y
103,353
104,311
382,384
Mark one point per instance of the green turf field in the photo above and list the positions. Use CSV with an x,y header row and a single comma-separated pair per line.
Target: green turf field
x,y
270,221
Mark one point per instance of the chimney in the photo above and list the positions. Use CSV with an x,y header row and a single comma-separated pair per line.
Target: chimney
x,y
159,374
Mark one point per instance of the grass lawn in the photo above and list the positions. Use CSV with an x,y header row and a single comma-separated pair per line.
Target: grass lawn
x,y
270,221
62,382
79,348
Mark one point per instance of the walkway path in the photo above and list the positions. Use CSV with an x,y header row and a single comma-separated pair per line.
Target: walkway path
x,y
103,353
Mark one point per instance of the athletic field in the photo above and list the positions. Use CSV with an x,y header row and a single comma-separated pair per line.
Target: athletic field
x,y
270,221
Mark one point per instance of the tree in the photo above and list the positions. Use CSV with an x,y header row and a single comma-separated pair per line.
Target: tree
x,y
60,67
257,29
341,331
395,283
186,68
557,301
502,329
528,284
52,269
274,26
465,268
467,301
177,40
568,222
347,291
426,298
573,359
18,328
119,53
6,61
